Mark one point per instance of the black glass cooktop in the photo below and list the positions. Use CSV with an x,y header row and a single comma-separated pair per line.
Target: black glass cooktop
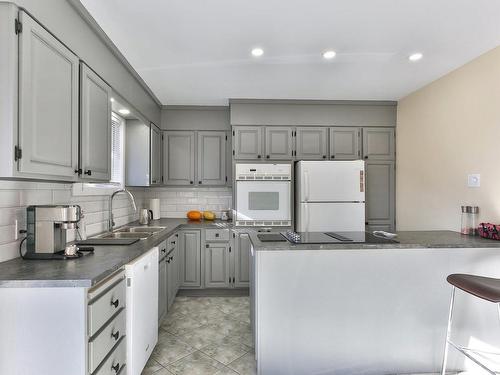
x,y
335,237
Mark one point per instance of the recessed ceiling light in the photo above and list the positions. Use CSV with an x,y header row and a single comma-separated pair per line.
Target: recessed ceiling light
x,y
124,111
257,52
415,56
330,54
111,100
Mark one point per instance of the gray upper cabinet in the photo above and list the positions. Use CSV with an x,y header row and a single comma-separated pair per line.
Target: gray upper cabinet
x,y
211,166
95,126
190,256
179,157
345,143
311,143
242,260
48,103
379,144
217,265
156,155
380,193
279,143
247,142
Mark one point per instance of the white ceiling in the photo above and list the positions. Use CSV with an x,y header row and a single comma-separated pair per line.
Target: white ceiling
x,y
197,52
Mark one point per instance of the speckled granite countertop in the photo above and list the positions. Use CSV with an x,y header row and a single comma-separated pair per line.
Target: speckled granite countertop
x,y
92,268
407,240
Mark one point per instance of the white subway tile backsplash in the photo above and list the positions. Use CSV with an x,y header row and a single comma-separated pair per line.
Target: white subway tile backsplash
x,y
10,198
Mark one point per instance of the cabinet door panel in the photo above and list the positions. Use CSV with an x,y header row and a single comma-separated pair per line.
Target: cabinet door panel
x,y
242,261
179,157
380,192
311,143
345,143
217,265
95,126
155,155
162,288
378,144
190,259
279,143
247,142
211,158
48,104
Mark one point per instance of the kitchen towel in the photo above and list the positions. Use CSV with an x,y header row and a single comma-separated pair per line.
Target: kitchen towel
x,y
154,205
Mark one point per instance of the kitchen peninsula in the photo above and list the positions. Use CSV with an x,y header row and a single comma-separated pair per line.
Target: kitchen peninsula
x,y
366,308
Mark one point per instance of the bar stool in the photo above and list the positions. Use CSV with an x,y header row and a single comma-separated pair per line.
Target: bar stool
x,y
486,288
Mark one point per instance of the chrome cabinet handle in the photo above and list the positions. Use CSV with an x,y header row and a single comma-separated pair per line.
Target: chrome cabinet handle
x,y
116,335
115,303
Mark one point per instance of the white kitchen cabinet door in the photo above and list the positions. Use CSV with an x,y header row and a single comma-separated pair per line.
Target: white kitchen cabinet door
x,y
179,157
156,155
95,126
48,103
217,265
211,158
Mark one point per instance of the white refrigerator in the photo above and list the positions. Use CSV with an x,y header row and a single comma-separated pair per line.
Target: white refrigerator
x,y
330,196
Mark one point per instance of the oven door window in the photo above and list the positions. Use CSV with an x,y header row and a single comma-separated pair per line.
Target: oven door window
x,y
263,200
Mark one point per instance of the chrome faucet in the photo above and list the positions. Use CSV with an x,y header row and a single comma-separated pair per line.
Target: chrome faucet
x,y
111,223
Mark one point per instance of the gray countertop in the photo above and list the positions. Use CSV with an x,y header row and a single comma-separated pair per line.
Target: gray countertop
x,y
407,240
92,268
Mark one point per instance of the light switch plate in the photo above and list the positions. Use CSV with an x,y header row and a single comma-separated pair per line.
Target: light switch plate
x,y
474,180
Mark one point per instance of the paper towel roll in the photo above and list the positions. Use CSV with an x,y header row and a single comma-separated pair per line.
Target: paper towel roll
x,y
154,205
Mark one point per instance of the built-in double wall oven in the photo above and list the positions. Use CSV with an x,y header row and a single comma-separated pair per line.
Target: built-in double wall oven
x,y
263,195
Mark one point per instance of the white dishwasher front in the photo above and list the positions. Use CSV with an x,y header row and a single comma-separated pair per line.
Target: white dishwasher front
x,y
142,310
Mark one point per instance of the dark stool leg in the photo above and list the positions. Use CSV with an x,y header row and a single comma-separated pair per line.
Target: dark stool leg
x,y
448,332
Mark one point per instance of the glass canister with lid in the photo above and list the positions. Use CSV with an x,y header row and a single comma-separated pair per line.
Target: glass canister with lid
x,y
469,220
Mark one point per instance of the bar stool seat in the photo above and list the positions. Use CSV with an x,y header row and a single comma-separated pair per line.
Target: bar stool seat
x,y
486,288
483,287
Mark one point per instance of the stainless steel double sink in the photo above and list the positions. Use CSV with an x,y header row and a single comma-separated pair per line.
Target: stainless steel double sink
x,y
140,232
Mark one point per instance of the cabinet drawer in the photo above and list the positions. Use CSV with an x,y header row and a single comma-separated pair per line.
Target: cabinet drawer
x,y
101,345
103,308
171,241
217,235
116,361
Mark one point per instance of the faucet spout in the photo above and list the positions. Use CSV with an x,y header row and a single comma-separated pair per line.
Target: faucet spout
x,y
111,223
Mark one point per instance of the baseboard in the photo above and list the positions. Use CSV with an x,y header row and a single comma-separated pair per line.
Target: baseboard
x,y
237,292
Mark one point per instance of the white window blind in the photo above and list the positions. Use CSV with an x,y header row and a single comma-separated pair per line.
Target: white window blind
x,y
117,149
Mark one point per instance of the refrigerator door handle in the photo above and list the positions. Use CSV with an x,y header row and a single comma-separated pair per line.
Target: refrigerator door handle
x,y
306,185
306,208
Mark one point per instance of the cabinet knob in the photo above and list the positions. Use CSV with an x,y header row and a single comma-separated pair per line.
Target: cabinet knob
x,y
115,303
163,250
116,368
366,156
115,335
89,172
258,156
324,156
333,157
191,182
267,156
78,171
199,182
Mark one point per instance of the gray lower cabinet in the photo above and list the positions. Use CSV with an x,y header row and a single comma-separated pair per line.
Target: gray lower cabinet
x,y
311,143
190,259
380,194
211,165
217,270
162,281
345,143
379,144
95,126
48,103
241,260
179,158
155,155
279,142
172,276
247,142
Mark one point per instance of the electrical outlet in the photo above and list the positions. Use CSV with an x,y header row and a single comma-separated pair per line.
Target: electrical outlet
x,y
474,180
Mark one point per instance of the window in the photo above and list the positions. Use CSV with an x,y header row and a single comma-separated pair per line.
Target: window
x,y
117,150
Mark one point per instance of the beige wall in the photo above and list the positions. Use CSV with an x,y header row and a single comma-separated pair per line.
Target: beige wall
x,y
445,131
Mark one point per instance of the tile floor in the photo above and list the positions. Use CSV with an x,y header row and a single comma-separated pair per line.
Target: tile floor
x,y
205,336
